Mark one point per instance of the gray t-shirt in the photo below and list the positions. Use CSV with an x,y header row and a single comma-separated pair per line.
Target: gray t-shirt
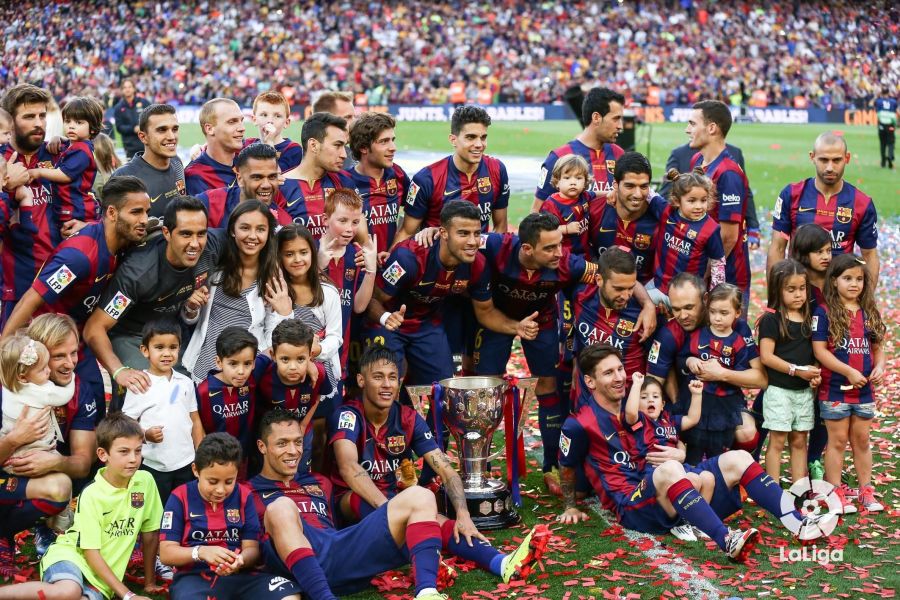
x,y
162,185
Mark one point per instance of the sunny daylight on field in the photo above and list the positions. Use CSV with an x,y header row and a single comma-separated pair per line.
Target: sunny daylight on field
x,y
443,300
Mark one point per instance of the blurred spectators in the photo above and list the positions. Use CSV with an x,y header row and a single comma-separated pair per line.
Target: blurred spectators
x,y
821,53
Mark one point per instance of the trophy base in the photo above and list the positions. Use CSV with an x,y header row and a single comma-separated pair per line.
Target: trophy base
x,y
490,509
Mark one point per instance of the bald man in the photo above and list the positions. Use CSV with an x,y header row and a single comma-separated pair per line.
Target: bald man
x,y
826,199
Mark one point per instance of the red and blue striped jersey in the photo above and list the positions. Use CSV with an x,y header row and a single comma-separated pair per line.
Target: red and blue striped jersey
x,y
347,278
311,492
518,292
849,215
191,521
222,201
637,237
414,275
733,351
732,191
441,182
596,324
73,279
602,162
289,152
381,202
663,357
404,435
599,441
75,200
33,239
854,350
572,211
6,212
684,246
306,203
647,433
206,173
229,409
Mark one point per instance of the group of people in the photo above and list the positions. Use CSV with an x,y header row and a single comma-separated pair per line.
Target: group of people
x,y
422,52
259,311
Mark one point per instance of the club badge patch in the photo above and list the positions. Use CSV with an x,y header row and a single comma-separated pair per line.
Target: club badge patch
x,y
393,273
60,279
413,192
347,420
117,305
137,499
233,515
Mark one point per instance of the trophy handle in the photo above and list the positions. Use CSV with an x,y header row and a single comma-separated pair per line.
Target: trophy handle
x,y
420,395
527,397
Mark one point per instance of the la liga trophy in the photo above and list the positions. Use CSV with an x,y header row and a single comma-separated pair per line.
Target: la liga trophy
x,y
472,409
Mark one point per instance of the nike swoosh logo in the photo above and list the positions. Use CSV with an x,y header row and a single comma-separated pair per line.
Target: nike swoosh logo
x,y
106,513
294,201
167,296
702,347
451,193
807,209
671,222
276,585
606,230
211,394
425,282
102,277
269,495
610,436
152,200
193,516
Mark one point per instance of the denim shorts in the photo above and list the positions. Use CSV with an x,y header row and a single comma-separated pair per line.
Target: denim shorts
x,y
835,411
65,570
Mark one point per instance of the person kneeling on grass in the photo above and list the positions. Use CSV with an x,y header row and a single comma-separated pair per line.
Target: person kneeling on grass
x,y
89,560
210,531
596,439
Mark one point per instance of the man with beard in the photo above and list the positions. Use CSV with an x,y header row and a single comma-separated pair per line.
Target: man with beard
x,y
30,242
154,281
257,172
324,140
601,116
74,277
827,200
223,126
158,165
379,181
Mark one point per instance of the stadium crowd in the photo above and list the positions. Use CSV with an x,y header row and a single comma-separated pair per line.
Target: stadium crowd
x,y
827,54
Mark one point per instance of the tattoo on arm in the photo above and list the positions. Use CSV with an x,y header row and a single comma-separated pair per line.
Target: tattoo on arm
x,y
567,483
452,483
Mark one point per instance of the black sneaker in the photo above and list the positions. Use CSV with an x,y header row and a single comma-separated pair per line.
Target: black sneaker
x,y
43,537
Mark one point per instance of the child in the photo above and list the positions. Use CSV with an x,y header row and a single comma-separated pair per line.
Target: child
x,y
120,505
272,115
25,374
690,240
210,531
811,247
786,351
719,350
73,177
6,128
292,381
571,177
107,162
226,397
847,336
167,410
652,426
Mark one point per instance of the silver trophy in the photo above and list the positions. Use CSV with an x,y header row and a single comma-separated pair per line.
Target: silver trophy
x,y
472,409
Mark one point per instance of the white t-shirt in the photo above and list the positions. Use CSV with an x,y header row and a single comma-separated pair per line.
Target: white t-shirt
x,y
169,403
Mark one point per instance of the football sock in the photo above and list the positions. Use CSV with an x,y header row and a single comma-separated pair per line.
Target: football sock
x,y
550,420
480,552
423,540
691,507
308,574
766,492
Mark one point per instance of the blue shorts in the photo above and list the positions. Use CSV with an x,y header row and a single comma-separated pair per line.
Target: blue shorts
x,y
65,570
492,351
256,585
349,557
641,511
835,411
458,320
12,490
427,353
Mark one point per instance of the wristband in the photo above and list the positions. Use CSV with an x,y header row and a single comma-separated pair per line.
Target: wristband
x,y
791,370
384,318
119,370
129,595
195,554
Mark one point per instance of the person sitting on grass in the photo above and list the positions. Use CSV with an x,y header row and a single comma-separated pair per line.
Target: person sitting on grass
x,y
210,531
118,507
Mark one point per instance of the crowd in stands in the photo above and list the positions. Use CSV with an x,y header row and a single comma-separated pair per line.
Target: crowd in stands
x,y
826,54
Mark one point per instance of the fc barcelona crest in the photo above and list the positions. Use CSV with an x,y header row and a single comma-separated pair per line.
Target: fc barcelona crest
x,y
314,490
137,499
726,350
459,286
624,328
349,274
396,444
233,515
391,185
844,214
610,166
692,234
484,185
180,186
642,241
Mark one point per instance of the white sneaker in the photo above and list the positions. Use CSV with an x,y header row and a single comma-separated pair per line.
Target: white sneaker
x,y
684,532
701,535
164,572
